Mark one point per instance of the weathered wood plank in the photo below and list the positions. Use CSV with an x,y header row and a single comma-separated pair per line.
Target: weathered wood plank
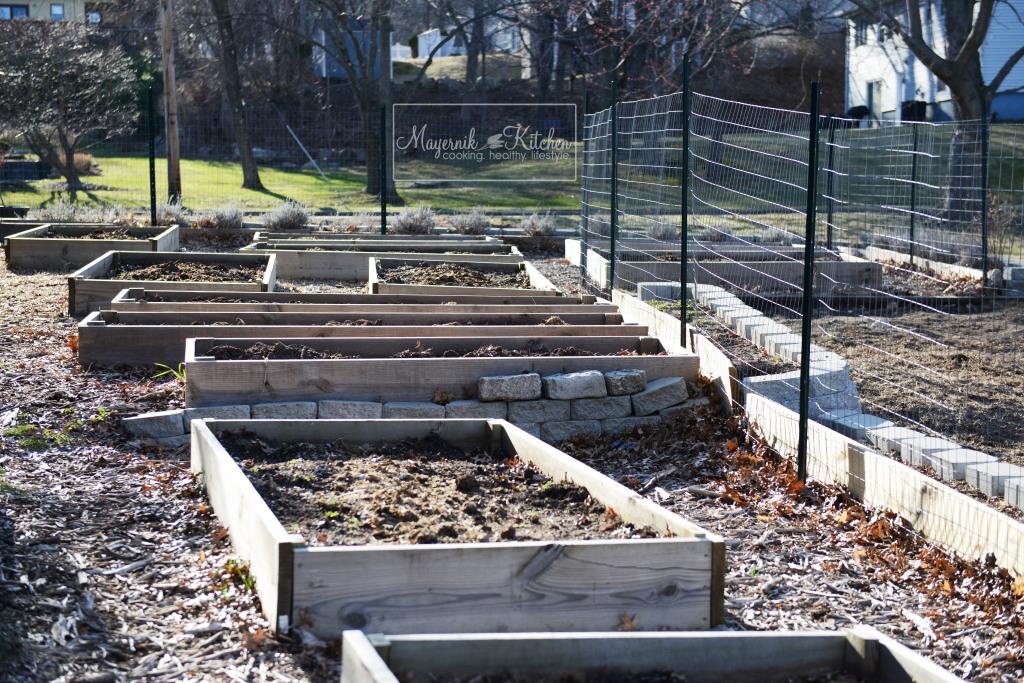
x,y
440,315
737,657
717,367
297,301
522,586
256,534
105,344
227,382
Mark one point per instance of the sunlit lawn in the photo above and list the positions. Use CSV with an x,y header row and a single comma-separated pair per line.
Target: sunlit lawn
x,y
206,184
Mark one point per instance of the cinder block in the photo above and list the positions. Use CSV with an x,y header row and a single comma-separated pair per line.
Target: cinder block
x,y
913,450
238,412
586,384
660,394
174,442
686,406
523,387
855,426
349,410
601,408
531,428
157,425
287,410
412,410
992,478
553,432
889,438
543,410
625,382
953,464
492,410
620,425
1014,493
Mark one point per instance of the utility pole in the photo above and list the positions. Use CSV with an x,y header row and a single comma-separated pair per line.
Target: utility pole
x,y
170,101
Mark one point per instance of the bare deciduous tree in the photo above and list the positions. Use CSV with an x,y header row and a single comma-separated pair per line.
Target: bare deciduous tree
x,y
64,87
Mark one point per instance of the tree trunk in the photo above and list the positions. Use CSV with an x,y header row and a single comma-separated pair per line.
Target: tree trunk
x,y
233,90
475,44
967,153
385,104
170,101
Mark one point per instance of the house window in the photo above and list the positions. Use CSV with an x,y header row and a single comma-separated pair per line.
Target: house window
x,y
860,32
94,17
8,12
57,11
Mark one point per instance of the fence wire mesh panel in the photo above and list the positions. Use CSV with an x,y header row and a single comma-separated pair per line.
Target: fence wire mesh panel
x,y
595,206
650,168
918,263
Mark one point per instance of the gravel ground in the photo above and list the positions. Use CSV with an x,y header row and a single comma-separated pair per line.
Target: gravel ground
x,y
561,274
111,565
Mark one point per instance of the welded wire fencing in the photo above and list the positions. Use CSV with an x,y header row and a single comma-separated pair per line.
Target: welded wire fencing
x,y
916,313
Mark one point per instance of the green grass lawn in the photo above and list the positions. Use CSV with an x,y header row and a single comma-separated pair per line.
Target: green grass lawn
x,y
209,184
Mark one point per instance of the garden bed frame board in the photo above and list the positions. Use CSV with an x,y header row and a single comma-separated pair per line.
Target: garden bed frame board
x,y
33,249
676,581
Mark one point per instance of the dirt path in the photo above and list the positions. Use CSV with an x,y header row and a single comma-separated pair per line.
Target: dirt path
x,y
111,565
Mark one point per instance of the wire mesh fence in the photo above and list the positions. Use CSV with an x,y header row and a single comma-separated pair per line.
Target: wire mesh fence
x,y
321,155
917,306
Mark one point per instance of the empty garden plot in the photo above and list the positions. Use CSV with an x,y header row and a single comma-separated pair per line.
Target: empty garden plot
x,y
111,338
94,285
351,262
852,655
406,369
409,276
62,247
644,556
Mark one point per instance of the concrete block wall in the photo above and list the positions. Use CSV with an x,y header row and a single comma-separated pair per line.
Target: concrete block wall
x,y
554,408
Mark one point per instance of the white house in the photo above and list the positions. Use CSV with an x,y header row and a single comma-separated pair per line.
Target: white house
x,y
885,77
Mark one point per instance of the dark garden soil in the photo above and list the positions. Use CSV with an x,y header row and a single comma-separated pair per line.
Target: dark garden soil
x,y
425,491
187,271
608,676
98,234
282,351
214,239
560,273
453,274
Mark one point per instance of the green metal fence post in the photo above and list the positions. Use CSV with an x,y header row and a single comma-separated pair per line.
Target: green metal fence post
x,y
151,133
984,197
829,182
383,170
807,307
684,204
913,190
614,201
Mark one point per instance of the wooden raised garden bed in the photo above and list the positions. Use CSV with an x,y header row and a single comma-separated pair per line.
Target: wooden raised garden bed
x,y
374,375
782,276
857,654
110,338
674,580
352,262
532,282
59,247
361,237
95,284
137,299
